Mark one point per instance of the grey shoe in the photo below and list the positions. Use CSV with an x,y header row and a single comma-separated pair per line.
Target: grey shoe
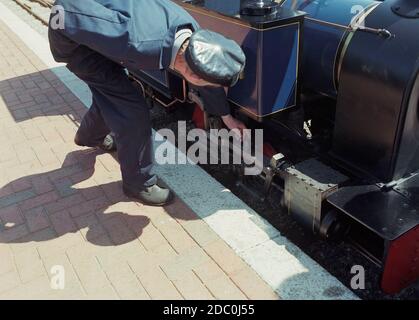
x,y
154,195
108,144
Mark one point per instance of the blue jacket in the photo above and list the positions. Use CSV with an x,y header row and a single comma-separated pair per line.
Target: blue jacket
x,y
138,34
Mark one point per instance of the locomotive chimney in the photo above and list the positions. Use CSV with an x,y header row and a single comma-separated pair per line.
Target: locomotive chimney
x,y
258,7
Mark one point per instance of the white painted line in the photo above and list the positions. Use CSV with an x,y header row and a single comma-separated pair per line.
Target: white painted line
x,y
290,272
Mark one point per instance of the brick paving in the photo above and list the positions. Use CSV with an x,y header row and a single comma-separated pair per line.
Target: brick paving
x,y
62,205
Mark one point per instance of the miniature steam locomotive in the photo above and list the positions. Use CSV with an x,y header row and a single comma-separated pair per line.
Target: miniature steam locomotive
x,y
348,69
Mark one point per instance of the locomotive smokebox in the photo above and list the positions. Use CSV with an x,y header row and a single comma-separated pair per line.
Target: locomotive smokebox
x,y
377,134
377,120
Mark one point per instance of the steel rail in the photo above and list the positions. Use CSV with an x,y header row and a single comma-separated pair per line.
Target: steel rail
x,y
29,9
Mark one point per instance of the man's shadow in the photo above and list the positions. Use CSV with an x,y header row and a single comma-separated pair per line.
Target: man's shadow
x,y
53,99
121,227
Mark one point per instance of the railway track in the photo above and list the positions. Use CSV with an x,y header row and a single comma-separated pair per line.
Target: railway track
x,y
39,9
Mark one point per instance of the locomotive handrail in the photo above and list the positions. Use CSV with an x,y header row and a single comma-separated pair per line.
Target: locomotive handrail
x,y
381,32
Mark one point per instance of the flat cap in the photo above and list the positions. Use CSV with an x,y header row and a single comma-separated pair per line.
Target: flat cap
x,y
215,58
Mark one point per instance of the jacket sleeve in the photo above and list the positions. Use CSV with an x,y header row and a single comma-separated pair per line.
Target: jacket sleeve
x,y
214,100
115,34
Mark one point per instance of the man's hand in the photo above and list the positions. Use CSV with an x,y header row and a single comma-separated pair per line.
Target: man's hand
x,y
232,123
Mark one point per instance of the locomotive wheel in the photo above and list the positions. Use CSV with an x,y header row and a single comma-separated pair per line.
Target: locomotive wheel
x,y
332,227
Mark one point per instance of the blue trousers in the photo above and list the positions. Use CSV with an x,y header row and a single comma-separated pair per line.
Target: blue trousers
x,y
118,106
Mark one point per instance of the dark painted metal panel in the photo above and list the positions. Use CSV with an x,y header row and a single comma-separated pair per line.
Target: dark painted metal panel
x,y
322,42
388,214
410,189
272,46
408,151
374,94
